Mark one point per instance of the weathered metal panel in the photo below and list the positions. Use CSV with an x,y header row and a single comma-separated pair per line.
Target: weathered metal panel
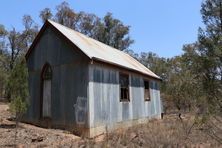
x,y
33,112
69,80
105,107
137,97
56,83
158,101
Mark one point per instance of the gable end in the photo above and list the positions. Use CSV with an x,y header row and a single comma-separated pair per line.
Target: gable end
x,y
41,32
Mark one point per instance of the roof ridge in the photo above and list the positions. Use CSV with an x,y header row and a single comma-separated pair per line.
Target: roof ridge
x,y
86,36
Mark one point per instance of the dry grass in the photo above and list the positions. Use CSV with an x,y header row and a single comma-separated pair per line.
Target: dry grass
x,y
169,132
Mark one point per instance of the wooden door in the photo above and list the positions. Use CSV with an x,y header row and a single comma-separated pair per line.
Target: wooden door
x,y
46,91
46,109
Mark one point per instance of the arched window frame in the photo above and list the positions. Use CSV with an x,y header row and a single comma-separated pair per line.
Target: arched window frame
x,y
46,72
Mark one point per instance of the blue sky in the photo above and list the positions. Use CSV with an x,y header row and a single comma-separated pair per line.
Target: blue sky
x,y
160,26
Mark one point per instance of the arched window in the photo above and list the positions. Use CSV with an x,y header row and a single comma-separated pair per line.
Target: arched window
x,y
47,72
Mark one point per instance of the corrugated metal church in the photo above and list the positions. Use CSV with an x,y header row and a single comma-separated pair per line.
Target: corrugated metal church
x,y
85,86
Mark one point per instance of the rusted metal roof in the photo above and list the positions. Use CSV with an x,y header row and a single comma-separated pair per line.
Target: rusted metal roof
x,y
100,51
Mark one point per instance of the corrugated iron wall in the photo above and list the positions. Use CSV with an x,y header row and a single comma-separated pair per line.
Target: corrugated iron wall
x,y
69,80
104,100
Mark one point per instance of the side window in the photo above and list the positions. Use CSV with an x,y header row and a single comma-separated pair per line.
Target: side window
x,y
124,87
146,90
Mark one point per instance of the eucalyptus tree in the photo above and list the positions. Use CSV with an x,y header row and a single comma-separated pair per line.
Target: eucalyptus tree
x,y
210,55
107,29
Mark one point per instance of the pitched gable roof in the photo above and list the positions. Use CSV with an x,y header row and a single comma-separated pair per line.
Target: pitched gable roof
x,y
98,51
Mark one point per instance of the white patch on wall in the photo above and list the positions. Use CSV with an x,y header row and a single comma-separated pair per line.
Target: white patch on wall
x,y
81,110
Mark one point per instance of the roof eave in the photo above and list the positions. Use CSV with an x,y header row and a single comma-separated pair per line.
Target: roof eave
x,y
126,68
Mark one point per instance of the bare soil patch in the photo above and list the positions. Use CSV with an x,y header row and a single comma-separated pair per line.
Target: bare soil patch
x,y
29,135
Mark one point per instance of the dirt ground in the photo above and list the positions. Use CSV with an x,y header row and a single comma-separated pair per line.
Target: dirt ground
x,y
31,136
169,132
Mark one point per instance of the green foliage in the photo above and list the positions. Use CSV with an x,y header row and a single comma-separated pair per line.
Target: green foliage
x,y
210,55
108,30
45,14
180,84
114,33
19,87
3,76
29,33
3,61
18,106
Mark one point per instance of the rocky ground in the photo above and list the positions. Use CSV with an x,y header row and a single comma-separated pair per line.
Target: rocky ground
x,y
169,132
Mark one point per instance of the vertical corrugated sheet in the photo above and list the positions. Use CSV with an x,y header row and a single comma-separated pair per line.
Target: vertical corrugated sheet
x,y
105,106
103,96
